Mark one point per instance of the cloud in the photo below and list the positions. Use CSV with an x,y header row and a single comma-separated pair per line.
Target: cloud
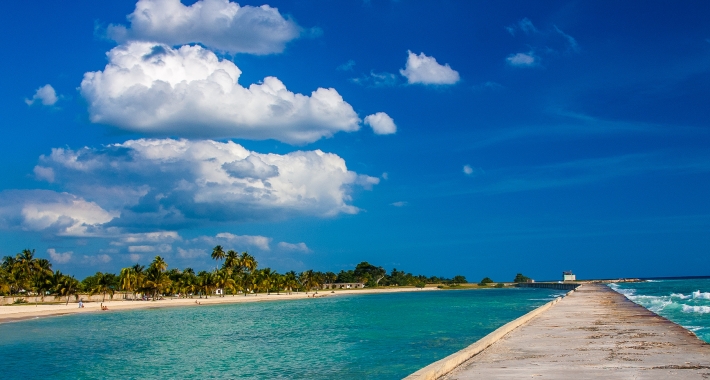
x,y
44,174
381,123
191,253
218,24
261,242
190,92
59,258
385,176
471,171
376,80
97,259
297,247
524,25
44,94
546,42
399,204
60,214
422,69
347,66
522,60
151,184
571,42
147,237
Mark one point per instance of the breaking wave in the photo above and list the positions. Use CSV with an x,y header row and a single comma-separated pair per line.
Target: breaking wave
x,y
696,309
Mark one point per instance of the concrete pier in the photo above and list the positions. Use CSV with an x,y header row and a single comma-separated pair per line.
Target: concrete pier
x,y
594,333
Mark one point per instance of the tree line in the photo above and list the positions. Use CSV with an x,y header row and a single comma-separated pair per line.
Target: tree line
x,y
235,273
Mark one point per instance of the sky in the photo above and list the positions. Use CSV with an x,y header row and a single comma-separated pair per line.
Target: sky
x,y
441,138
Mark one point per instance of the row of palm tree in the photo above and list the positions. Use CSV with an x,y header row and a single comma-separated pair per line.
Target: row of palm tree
x,y
235,273
238,273
24,274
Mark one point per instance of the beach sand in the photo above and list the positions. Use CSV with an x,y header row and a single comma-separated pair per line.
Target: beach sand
x,y
23,312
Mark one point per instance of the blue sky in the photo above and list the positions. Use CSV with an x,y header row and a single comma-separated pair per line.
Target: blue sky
x,y
435,137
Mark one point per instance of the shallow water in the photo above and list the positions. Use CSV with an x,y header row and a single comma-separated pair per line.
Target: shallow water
x,y
378,336
685,302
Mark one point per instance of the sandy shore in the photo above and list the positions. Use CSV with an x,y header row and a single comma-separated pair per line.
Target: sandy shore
x,y
23,312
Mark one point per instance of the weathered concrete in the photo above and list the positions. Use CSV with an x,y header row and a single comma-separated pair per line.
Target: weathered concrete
x,y
595,333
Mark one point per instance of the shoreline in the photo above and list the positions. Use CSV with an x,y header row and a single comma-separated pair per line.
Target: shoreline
x,y
9,314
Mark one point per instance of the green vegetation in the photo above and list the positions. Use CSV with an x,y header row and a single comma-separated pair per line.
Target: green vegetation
x,y
24,275
520,278
500,285
485,281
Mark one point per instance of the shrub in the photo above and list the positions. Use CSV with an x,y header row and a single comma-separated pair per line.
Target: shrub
x,y
19,301
499,285
485,281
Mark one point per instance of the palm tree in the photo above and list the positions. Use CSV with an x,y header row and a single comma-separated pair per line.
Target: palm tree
x,y
290,281
223,280
306,280
159,264
279,280
254,281
131,279
156,280
218,253
266,280
4,281
205,283
188,282
231,261
103,285
248,262
66,286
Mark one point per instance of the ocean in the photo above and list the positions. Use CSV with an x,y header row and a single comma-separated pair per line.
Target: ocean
x,y
685,302
374,336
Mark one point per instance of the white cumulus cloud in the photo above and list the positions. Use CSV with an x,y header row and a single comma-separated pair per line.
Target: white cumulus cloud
x,y
381,123
168,182
45,94
189,91
295,247
219,24
61,214
59,258
261,242
423,69
522,60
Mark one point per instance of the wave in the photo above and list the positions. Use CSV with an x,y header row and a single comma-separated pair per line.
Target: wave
x,y
696,309
701,295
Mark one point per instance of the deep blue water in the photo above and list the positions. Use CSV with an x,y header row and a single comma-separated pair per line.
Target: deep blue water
x,y
685,302
377,336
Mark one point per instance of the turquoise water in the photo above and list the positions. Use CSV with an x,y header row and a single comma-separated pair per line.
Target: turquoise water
x,y
378,336
685,302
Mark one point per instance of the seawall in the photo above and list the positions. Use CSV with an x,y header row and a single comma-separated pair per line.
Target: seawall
x,y
592,333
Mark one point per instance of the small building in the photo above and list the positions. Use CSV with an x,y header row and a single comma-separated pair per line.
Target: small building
x,y
568,276
344,285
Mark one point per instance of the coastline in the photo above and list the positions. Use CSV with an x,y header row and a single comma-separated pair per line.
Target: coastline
x,y
24,312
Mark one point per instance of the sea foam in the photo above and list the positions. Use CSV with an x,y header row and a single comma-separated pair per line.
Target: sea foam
x,y
696,309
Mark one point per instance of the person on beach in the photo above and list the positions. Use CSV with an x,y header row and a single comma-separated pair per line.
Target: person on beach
x,y
81,304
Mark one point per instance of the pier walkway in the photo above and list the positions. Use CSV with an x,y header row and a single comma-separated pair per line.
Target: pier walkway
x,y
594,333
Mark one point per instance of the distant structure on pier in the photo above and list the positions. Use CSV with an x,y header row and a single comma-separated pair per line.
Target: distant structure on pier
x,y
568,276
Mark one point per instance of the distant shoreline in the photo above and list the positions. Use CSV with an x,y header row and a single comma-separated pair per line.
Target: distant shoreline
x,y
16,313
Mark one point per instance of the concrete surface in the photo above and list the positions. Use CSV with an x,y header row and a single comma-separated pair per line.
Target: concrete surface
x,y
594,333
